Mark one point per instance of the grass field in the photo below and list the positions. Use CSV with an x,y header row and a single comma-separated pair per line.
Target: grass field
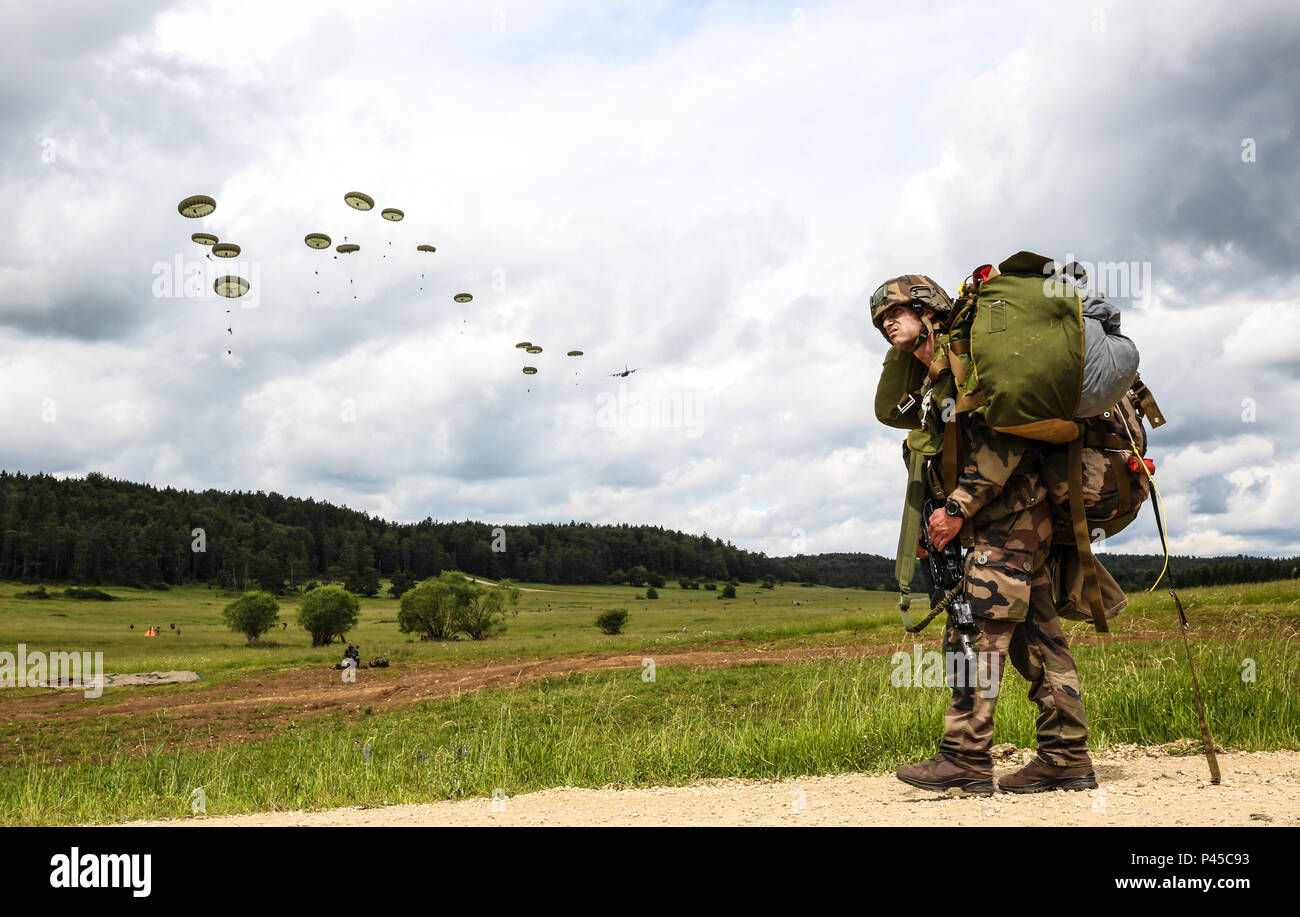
x,y
547,623
603,728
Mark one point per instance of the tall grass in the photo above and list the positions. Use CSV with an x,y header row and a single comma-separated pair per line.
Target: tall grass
x,y
612,728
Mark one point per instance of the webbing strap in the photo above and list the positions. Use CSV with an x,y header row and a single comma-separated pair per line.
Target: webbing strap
x,y
909,535
949,457
1087,563
1146,403
1122,483
1104,440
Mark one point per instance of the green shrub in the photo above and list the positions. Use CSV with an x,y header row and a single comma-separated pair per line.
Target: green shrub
x,y
612,621
728,592
37,593
328,612
252,614
439,608
652,593
711,587
485,615
94,595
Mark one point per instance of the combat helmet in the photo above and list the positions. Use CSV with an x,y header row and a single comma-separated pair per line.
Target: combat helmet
x,y
915,290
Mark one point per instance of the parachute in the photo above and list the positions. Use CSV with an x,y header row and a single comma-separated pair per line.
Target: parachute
x,y
463,297
199,205
425,248
530,370
533,349
523,344
317,240
226,250
230,286
392,214
347,248
358,200
205,238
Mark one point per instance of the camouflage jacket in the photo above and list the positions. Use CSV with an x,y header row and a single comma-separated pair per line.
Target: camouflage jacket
x,y
1000,472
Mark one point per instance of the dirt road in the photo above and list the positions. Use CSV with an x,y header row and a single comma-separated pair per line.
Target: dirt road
x,y
1141,787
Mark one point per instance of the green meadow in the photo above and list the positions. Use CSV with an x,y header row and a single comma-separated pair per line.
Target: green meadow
x,y
611,728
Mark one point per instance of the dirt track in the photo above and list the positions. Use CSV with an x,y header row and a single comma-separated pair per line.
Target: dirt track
x,y
1138,787
247,709
244,710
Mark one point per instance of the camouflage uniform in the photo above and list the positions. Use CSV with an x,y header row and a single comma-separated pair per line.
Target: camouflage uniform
x,y
1001,493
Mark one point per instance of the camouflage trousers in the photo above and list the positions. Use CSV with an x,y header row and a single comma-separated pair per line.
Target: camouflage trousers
x,y
1011,598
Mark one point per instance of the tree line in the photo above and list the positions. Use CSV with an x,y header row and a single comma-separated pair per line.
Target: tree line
x,y
111,532
102,531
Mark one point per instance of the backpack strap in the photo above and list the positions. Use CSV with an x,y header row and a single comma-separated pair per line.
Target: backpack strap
x,y
1122,486
1087,562
950,456
909,535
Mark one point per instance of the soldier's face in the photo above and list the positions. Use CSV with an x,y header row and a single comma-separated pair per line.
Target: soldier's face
x,y
903,328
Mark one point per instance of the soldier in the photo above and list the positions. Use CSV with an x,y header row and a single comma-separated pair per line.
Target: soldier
x,y
1000,506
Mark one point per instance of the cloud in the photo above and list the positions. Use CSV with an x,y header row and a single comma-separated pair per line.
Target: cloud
x,y
705,192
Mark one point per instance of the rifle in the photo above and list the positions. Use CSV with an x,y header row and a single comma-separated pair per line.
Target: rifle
x,y
945,574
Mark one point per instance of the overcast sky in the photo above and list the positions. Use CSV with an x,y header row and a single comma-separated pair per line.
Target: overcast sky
x,y
708,192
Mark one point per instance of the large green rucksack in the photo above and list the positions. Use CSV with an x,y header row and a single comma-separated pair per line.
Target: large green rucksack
x,y
1016,345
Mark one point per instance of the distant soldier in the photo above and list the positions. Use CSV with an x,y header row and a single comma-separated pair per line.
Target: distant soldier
x,y
999,505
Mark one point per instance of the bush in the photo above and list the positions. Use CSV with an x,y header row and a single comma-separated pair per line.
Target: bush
x,y
636,576
95,595
612,621
485,615
161,587
328,612
728,592
430,609
617,578
687,584
440,608
711,587
657,580
252,614
37,593
769,583
652,593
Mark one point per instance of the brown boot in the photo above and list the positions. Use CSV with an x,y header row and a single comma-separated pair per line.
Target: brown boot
x,y
940,773
1038,775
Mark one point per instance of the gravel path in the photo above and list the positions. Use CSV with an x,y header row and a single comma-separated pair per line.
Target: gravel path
x,y
1138,786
